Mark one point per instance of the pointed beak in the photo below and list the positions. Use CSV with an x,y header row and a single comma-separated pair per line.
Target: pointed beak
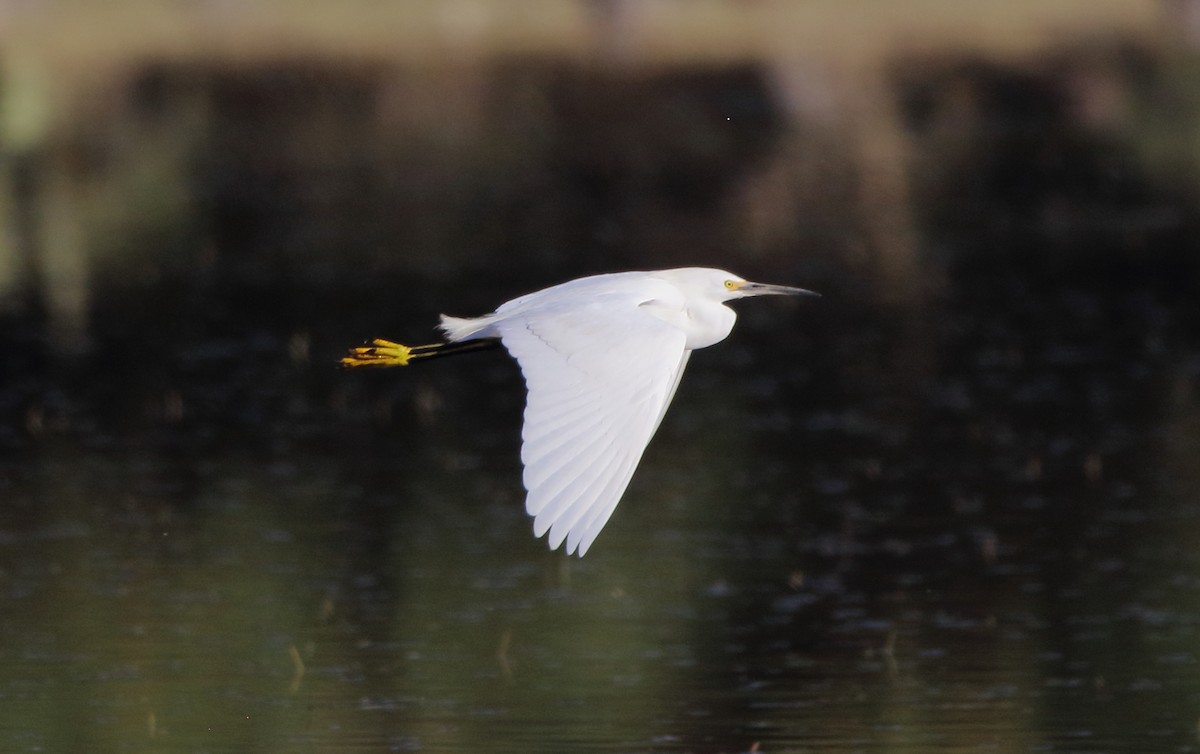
x,y
765,289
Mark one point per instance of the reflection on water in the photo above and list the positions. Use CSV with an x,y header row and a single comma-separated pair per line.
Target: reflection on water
x,y
828,557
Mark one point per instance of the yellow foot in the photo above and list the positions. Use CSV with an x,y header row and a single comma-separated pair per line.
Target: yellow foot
x,y
381,353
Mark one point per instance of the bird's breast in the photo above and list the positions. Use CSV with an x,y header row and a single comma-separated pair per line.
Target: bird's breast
x,y
702,326
708,325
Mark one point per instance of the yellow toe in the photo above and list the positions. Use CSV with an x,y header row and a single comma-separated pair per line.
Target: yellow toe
x,y
381,353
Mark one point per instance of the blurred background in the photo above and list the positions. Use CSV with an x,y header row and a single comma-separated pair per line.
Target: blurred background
x,y
953,505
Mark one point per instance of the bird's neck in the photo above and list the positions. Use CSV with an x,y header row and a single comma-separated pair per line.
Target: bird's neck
x,y
708,324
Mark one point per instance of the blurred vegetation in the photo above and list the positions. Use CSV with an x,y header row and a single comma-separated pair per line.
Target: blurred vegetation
x,y
191,173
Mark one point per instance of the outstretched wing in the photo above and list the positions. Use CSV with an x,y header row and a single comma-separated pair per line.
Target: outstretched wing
x,y
599,379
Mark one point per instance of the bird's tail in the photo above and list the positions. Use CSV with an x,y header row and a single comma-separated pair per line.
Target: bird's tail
x,y
465,328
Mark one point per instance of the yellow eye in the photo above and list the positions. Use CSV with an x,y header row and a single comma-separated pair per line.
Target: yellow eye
x,y
732,285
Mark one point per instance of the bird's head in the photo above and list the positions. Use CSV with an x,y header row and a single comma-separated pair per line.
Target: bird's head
x,y
726,286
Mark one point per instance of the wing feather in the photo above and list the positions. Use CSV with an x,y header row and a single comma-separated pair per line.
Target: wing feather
x,y
566,482
599,378
546,454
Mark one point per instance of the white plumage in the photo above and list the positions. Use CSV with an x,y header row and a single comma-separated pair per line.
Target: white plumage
x,y
602,357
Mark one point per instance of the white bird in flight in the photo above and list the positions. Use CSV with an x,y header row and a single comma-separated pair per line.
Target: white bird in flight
x,y
602,357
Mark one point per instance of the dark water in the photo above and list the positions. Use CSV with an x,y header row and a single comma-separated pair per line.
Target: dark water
x,y
833,545
965,522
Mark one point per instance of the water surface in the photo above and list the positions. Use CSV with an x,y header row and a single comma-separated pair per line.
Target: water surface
x,y
835,544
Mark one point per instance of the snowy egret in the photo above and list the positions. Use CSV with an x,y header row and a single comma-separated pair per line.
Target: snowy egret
x,y
602,357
